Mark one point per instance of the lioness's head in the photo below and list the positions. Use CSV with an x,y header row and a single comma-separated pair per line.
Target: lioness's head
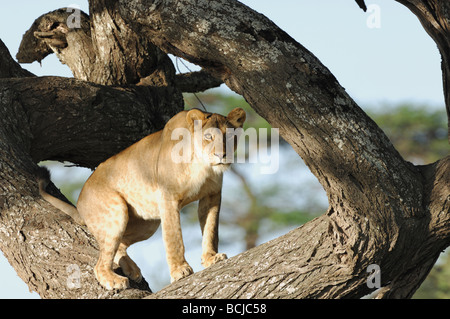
x,y
213,137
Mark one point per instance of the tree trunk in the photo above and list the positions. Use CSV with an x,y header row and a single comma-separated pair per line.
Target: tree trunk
x,y
382,209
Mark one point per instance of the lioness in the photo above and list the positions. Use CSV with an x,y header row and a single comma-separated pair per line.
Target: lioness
x,y
131,193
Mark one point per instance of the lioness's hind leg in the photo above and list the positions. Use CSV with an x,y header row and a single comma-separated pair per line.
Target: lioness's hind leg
x,y
137,230
107,221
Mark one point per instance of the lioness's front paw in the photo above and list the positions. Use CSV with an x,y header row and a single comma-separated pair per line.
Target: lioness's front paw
x,y
180,272
209,259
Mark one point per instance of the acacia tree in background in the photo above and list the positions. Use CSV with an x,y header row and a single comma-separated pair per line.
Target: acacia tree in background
x,y
382,209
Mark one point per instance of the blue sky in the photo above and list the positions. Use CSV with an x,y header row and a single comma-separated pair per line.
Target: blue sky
x,y
393,63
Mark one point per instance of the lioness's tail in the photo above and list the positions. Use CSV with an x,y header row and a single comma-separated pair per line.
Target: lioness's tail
x,y
43,180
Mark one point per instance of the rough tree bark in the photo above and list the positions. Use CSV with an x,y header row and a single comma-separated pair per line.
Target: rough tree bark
x,y
382,210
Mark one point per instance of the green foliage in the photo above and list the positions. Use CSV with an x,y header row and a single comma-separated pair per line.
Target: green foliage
x,y
437,284
418,132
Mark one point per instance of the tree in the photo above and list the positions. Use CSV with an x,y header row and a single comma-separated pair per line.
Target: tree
x,y
417,132
382,209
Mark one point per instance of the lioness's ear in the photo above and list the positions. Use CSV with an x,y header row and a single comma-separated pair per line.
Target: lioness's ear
x,y
195,115
237,117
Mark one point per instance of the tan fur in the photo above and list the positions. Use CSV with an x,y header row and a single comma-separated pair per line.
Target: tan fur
x,y
132,193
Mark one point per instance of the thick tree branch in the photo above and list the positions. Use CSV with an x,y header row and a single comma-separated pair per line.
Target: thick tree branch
x,y
90,51
85,123
8,67
55,118
193,82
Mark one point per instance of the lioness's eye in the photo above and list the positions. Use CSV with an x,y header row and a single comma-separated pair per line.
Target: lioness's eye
x,y
208,136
